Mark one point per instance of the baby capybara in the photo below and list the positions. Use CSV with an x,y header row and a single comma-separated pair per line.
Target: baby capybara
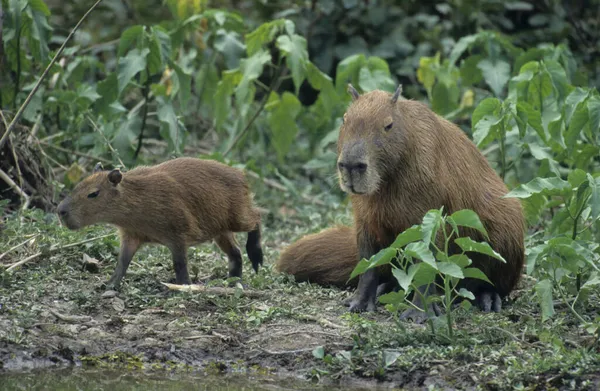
x,y
178,203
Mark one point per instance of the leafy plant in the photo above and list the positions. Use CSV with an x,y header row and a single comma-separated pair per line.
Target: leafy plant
x,y
421,256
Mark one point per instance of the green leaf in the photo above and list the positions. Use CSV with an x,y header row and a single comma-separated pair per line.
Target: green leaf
x,y
409,235
404,279
495,74
468,244
225,89
129,66
487,107
462,292
160,50
592,282
460,259
394,298
182,84
171,129
424,274
375,75
578,121
543,291
595,197
282,122
450,269
318,352
430,226
296,56
390,357
577,177
229,44
264,34
593,106
531,117
545,186
463,44
129,38
347,72
383,257
473,272
421,251
40,6
468,218
251,68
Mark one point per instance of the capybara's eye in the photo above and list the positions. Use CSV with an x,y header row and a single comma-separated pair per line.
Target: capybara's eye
x,y
388,127
94,194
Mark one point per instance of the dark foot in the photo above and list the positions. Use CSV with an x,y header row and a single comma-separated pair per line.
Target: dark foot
x,y
421,316
362,306
489,301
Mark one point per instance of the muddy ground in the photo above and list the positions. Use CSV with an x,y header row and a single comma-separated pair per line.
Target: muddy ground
x,y
54,312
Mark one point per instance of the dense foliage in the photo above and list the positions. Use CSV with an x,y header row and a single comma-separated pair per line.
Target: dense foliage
x,y
263,85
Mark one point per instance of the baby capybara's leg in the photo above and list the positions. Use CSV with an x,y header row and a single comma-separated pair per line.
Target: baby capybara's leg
x,y
129,246
179,252
228,244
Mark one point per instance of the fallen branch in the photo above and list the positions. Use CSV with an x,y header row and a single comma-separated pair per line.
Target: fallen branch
x,y
13,248
70,318
215,290
321,321
51,250
296,351
21,110
4,176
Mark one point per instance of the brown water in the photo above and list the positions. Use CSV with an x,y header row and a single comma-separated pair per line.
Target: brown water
x,y
81,379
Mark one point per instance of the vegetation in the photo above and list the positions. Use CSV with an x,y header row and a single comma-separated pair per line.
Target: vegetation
x,y
261,85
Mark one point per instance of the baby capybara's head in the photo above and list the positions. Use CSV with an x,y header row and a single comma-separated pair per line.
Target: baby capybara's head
x,y
91,200
370,140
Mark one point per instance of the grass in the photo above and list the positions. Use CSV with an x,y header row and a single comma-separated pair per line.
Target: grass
x,y
282,331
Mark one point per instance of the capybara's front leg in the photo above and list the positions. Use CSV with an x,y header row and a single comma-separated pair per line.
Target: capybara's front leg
x,y
366,292
129,246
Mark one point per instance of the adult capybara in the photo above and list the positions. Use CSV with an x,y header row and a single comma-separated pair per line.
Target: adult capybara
x,y
178,203
326,258
398,159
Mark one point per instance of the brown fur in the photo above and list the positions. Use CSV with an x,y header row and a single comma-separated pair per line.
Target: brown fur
x,y
398,159
178,203
326,258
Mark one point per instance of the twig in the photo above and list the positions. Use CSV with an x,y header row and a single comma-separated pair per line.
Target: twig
x,y
17,165
286,351
220,291
321,321
115,153
44,74
16,188
53,249
35,129
13,248
273,87
70,318
74,152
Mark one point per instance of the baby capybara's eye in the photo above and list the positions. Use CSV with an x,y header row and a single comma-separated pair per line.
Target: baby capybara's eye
x,y
94,194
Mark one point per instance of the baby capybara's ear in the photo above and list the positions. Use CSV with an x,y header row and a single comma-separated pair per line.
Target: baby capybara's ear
x,y
98,167
115,176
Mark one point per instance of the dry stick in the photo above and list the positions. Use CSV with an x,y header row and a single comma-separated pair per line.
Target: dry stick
x,y
70,318
221,291
17,166
74,152
15,187
13,248
273,87
17,117
53,249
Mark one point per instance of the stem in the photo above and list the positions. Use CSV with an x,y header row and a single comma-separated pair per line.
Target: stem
x,y
503,156
273,87
18,75
19,113
448,298
145,92
571,306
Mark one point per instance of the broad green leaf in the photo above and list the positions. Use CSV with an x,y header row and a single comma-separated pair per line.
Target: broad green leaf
x,y
40,6
129,38
578,121
444,99
251,68
426,72
544,186
318,352
282,123
487,130
595,197
171,128
559,78
423,274
409,235
109,92
264,34
230,45
392,298
225,89
532,256
593,281
383,257
487,107
462,292
88,91
577,177
129,66
577,96
468,218
593,106
470,74
420,251
543,291
450,269
404,279
347,72
460,259
531,117
159,43
473,272
463,44
375,75
296,56
430,226
468,244
495,74
533,208
390,357
182,84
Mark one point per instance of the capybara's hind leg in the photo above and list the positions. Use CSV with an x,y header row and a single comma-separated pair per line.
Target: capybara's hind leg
x,y
179,252
489,300
254,248
227,243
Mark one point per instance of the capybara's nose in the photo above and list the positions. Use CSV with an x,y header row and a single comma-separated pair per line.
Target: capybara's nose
x,y
358,167
62,210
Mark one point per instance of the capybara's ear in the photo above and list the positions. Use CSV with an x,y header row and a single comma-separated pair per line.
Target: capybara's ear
x,y
353,92
397,93
98,167
115,176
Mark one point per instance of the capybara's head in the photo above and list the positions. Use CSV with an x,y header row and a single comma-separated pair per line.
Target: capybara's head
x,y
370,140
92,200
